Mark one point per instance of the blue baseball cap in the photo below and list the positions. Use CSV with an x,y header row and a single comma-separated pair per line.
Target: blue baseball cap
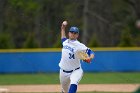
x,y
74,29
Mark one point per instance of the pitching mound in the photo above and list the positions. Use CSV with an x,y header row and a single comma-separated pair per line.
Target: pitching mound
x,y
81,88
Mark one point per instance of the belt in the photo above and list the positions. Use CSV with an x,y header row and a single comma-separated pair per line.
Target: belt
x,y
70,70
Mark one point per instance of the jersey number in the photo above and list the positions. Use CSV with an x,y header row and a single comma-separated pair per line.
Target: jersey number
x,y
71,56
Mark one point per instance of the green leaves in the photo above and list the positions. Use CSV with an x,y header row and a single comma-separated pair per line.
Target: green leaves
x,y
26,5
106,22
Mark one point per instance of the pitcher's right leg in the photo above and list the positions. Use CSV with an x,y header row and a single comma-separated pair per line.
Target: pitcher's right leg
x,y
64,81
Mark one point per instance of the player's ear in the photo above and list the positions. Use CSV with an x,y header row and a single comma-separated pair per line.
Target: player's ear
x,y
77,36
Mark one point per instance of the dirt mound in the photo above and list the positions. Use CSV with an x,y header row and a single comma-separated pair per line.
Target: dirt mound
x,y
81,88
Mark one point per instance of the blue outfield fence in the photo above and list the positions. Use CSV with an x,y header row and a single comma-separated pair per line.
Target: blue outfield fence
x,y
47,60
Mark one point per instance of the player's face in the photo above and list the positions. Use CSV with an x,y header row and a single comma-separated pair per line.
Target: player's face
x,y
73,35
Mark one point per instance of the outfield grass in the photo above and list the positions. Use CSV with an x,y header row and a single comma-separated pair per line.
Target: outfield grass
x,y
111,78
53,78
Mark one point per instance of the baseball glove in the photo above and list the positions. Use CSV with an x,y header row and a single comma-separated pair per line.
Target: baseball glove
x,y
83,56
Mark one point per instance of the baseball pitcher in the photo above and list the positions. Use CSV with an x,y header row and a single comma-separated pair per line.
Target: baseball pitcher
x,y
72,52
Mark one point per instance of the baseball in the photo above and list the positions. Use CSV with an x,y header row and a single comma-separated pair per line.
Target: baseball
x,y
138,24
65,23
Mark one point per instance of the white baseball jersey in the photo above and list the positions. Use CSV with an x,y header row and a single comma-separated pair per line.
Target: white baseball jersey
x,y
69,59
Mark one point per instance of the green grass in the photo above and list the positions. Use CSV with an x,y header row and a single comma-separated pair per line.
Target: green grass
x,y
9,79
111,78
53,78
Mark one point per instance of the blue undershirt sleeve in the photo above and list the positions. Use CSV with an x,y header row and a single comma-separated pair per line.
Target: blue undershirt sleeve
x,y
89,52
63,39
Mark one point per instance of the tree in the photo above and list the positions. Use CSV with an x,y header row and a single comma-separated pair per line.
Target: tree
x,y
126,39
6,41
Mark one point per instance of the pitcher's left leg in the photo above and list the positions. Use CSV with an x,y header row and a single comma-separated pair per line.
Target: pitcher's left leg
x,y
75,77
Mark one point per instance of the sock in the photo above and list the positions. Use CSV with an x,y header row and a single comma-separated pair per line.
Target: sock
x,y
73,88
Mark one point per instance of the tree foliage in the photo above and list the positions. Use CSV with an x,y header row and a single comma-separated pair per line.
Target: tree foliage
x,y
36,23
